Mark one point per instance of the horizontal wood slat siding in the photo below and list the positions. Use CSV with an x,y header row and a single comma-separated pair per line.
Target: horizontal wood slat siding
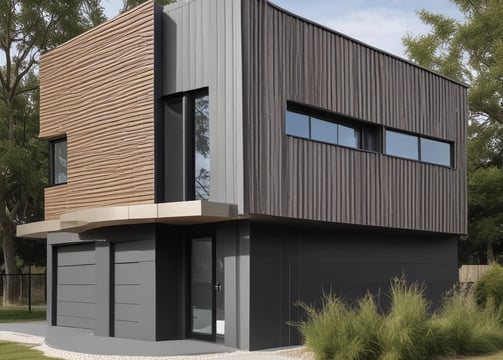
x,y
288,58
97,89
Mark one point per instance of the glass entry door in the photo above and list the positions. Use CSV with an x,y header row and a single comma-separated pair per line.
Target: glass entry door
x,y
202,294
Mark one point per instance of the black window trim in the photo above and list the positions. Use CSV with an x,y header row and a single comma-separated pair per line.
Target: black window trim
x,y
364,129
52,159
419,137
188,98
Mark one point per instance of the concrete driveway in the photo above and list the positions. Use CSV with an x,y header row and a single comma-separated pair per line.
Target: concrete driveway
x,y
79,344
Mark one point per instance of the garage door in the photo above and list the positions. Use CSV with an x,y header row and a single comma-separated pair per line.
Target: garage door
x,y
134,270
76,291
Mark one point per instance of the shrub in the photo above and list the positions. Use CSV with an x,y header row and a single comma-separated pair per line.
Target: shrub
x,y
336,331
465,328
490,286
368,325
407,332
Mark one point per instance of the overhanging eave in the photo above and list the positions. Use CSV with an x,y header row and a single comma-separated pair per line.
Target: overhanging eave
x,y
176,213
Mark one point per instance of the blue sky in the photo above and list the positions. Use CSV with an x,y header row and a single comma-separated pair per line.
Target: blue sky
x,y
380,23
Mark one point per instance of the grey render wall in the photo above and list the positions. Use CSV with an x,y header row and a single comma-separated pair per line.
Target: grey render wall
x,y
202,48
287,58
295,261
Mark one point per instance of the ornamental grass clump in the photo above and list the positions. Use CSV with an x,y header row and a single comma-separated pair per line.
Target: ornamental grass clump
x,y
465,328
407,333
336,331
490,286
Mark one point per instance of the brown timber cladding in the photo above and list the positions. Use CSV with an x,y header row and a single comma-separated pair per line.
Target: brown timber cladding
x,y
288,58
97,89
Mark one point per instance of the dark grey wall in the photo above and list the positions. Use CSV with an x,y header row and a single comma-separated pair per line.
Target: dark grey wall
x,y
291,262
171,278
287,58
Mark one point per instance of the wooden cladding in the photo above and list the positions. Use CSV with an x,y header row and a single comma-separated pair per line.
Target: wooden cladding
x,y
287,58
98,90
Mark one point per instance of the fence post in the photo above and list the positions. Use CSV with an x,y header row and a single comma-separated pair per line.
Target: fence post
x,y
29,288
45,286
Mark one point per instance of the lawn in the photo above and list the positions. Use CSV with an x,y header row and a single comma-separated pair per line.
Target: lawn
x,y
12,351
20,314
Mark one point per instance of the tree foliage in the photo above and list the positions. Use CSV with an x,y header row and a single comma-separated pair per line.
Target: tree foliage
x,y
471,51
129,4
27,29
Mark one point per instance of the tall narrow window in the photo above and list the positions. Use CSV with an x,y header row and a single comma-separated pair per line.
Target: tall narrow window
x,y
58,154
201,147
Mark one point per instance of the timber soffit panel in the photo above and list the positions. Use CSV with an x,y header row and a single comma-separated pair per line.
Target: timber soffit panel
x,y
287,58
98,91
177,213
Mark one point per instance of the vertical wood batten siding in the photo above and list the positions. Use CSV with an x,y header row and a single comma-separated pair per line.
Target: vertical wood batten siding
x,y
98,90
203,49
287,58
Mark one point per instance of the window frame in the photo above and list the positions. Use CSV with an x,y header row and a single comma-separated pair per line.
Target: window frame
x,y
451,151
371,136
419,148
190,99
417,139
52,161
364,129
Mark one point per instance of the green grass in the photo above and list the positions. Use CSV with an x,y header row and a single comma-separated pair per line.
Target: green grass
x,y
20,314
13,351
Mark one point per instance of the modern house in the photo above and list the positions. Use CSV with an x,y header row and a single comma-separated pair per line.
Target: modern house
x,y
215,161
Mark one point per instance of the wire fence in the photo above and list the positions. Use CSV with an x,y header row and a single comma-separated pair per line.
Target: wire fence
x,y
24,289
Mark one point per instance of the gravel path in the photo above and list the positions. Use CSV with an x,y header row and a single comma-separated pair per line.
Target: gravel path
x,y
39,343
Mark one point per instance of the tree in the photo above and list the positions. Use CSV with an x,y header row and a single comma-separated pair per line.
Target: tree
x,y
129,4
28,28
485,185
472,52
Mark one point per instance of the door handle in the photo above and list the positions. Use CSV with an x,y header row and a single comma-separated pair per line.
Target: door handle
x,y
217,287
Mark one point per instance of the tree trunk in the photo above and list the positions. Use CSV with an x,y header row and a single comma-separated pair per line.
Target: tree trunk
x,y
10,288
490,252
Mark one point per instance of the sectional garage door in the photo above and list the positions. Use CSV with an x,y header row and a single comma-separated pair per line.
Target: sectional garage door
x,y
76,291
134,289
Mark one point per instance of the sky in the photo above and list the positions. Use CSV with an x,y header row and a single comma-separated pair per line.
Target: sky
x,y
380,23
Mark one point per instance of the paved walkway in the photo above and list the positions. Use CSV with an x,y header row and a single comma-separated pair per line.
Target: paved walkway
x,y
77,344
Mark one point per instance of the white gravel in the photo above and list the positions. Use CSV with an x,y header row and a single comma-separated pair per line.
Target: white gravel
x,y
39,344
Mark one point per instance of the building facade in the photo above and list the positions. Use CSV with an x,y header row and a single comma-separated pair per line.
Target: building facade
x,y
213,162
